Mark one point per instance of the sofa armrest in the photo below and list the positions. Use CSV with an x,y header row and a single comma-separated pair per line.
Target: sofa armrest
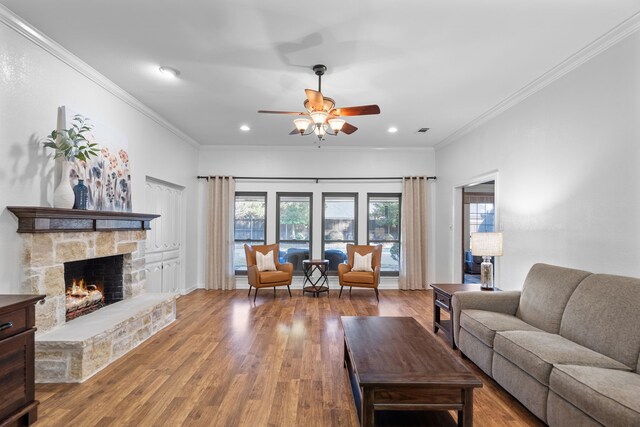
x,y
500,302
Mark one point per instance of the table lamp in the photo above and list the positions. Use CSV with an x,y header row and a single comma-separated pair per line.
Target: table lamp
x,y
486,245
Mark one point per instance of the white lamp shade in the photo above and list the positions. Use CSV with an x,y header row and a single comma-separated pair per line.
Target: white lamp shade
x,y
319,130
336,124
301,124
319,117
486,244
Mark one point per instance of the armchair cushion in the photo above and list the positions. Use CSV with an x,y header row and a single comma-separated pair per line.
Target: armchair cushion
x,y
362,262
265,262
273,277
360,277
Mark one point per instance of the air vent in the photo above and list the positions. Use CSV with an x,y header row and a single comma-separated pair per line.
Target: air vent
x,y
423,130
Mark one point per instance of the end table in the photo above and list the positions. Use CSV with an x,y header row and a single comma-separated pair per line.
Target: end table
x,y
442,295
321,284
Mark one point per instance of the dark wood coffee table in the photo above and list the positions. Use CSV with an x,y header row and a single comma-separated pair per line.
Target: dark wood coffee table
x,y
394,364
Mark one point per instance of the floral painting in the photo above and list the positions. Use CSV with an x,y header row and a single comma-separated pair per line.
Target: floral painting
x,y
107,175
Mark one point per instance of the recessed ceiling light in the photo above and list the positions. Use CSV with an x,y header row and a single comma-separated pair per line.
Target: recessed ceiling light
x,y
245,128
392,129
169,72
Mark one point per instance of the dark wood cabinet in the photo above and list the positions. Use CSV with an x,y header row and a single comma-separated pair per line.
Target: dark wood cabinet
x,y
17,383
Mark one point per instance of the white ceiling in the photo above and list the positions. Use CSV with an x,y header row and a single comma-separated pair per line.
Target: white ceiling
x,y
426,63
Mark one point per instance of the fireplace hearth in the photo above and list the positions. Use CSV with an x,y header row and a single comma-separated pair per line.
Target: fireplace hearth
x,y
92,284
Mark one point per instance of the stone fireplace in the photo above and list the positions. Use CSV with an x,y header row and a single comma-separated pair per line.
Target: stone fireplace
x,y
45,256
107,249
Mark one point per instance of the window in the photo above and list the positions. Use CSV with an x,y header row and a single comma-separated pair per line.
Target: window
x,y
339,226
480,212
294,228
384,227
249,225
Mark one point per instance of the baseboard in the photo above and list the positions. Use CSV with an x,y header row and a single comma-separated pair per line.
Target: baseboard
x,y
188,290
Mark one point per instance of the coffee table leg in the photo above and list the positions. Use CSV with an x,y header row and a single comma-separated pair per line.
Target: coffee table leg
x,y
465,417
368,414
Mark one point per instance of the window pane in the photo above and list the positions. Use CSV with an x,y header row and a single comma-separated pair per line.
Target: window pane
x,y
339,218
239,257
248,225
250,214
390,257
384,218
294,217
294,253
335,253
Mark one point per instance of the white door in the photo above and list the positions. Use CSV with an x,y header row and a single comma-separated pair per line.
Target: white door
x,y
164,240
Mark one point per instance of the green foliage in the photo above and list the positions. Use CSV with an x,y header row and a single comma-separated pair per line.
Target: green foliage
x,y
294,213
250,210
72,143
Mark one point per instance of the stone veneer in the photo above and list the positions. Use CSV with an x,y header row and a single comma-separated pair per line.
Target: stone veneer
x,y
89,343
44,255
75,350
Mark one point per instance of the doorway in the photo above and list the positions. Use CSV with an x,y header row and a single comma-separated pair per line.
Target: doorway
x,y
478,215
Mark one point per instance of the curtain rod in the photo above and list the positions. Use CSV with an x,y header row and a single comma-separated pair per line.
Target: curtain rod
x,y
290,178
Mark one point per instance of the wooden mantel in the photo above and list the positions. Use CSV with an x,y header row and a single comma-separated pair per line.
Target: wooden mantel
x,y
32,219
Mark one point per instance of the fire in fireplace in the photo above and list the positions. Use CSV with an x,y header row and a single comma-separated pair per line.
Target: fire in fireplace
x,y
91,284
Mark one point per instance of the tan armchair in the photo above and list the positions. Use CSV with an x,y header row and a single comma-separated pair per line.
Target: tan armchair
x,y
361,279
266,279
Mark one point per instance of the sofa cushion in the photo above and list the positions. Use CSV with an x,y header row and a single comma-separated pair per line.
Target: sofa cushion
x,y
545,293
603,315
612,397
484,324
537,352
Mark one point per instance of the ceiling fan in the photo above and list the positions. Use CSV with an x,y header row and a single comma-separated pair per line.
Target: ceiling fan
x,y
321,113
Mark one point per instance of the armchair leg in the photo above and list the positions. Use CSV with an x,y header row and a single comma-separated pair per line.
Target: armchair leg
x,y
340,294
249,294
274,291
378,298
289,289
255,294
350,290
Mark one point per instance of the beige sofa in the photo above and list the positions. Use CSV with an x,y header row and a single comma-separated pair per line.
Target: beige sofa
x,y
567,346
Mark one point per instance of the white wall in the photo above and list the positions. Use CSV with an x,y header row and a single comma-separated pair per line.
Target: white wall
x,y
308,161
33,84
568,173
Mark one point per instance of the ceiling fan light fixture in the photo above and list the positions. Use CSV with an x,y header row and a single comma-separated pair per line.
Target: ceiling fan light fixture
x,y
319,117
336,124
319,131
301,125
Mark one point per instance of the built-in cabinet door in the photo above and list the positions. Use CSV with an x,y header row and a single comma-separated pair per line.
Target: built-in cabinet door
x,y
164,240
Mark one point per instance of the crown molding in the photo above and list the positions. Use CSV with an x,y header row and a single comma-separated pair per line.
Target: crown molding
x,y
29,32
602,43
289,148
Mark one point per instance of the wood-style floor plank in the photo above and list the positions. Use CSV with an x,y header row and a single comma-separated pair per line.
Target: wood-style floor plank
x,y
227,361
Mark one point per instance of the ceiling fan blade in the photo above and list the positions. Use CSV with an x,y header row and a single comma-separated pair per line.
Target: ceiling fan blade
x,y
296,113
316,101
294,132
348,129
362,110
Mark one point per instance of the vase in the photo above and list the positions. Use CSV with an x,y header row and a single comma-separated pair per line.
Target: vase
x,y
81,193
63,196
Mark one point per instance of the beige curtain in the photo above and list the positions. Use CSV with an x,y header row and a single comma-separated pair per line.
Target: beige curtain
x,y
413,249
220,273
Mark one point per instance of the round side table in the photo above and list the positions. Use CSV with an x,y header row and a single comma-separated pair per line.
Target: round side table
x,y
320,284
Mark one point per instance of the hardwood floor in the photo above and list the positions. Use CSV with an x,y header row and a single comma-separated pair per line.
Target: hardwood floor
x,y
229,362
